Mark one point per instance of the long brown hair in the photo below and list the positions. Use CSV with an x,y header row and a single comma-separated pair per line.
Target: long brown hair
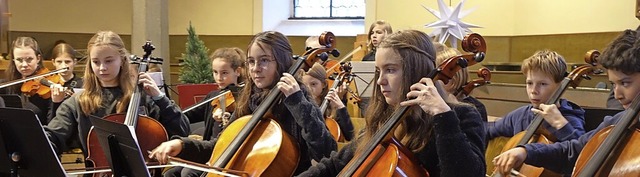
x,y
279,46
317,71
12,70
91,99
63,50
234,56
418,58
385,25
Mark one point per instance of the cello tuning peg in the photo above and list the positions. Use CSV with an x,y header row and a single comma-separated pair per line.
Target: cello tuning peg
x,y
323,56
335,53
478,57
462,62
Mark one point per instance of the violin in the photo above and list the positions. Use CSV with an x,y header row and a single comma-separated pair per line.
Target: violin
x,y
35,87
484,75
255,143
68,91
223,101
384,154
153,132
31,84
332,125
533,133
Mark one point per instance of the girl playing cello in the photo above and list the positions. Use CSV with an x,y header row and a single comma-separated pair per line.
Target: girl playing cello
x,y
447,139
270,55
460,79
315,80
107,90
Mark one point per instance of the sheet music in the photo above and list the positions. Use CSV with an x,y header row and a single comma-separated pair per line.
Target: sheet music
x,y
366,71
132,130
59,164
77,90
157,77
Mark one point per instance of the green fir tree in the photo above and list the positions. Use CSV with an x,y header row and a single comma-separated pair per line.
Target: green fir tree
x,y
196,67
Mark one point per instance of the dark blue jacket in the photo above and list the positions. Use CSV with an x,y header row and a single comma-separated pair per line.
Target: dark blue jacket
x,y
519,119
561,156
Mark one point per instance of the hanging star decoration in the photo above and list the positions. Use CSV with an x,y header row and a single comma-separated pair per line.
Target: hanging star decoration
x,y
450,23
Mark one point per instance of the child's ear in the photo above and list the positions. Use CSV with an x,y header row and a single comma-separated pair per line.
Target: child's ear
x,y
239,72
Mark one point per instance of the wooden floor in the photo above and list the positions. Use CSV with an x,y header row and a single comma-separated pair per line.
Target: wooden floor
x,y
72,161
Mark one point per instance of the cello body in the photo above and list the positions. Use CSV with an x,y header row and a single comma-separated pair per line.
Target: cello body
x,y
334,129
154,135
525,169
391,158
624,162
273,151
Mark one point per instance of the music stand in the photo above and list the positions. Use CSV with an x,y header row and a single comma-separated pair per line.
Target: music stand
x,y
120,147
21,133
12,100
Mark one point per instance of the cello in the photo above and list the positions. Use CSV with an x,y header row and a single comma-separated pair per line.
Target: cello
x,y
332,124
484,75
255,143
384,155
154,133
534,133
613,150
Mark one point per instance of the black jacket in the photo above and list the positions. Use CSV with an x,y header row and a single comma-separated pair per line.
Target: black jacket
x,y
456,148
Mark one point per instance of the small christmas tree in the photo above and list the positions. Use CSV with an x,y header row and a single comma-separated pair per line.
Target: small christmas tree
x,y
196,67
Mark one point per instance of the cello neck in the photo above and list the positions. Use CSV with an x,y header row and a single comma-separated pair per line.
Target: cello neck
x,y
616,139
378,137
131,118
325,102
132,110
537,121
274,94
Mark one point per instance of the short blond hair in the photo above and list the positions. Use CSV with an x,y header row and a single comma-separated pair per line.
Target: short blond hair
x,y
444,52
546,61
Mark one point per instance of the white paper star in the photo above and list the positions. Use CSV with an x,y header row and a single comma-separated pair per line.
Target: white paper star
x,y
450,23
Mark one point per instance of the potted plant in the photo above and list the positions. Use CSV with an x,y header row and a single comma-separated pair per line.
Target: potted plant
x,y
196,74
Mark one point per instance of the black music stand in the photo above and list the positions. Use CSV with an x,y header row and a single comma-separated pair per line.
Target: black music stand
x,y
21,133
120,148
12,100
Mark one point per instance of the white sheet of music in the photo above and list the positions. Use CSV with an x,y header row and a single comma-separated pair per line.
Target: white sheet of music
x,y
366,71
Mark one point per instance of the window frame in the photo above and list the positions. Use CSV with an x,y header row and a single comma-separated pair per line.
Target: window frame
x,y
330,17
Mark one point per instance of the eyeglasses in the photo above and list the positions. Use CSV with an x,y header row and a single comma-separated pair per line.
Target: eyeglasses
x,y
262,62
20,60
